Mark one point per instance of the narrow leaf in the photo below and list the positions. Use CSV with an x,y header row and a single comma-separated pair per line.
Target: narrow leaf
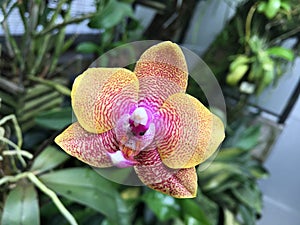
x,y
193,212
55,119
86,187
281,52
21,207
163,206
87,47
48,159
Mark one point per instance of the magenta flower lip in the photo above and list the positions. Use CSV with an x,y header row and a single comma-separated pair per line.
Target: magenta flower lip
x,y
145,120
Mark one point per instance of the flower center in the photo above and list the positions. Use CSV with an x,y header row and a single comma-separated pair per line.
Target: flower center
x,y
134,132
139,121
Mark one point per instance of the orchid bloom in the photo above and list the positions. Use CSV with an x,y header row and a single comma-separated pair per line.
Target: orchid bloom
x,y
145,120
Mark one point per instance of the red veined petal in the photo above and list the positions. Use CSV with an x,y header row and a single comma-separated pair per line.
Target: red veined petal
x,y
88,147
152,172
101,95
189,132
182,184
162,71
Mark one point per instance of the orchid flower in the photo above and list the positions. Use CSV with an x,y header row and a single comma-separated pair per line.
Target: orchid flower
x,y
145,120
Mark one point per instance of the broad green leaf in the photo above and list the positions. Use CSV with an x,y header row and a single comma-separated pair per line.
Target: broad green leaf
x,y
247,214
230,154
55,119
229,218
249,195
87,47
209,208
272,8
249,138
112,15
193,212
239,60
48,159
261,6
189,220
178,221
219,168
86,187
258,171
163,206
286,6
267,79
236,75
281,52
216,181
21,206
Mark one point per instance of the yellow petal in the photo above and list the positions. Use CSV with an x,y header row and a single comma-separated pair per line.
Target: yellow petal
x,y
162,71
189,132
101,95
87,147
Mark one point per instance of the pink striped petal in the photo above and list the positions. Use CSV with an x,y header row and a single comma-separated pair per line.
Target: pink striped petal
x,y
162,71
100,96
88,147
188,132
152,172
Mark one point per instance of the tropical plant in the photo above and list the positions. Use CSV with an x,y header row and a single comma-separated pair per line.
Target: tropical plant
x,y
253,45
116,24
30,81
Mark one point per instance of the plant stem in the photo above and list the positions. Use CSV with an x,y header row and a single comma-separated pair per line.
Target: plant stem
x,y
65,23
7,179
53,197
11,44
18,150
16,126
285,35
248,26
15,152
59,87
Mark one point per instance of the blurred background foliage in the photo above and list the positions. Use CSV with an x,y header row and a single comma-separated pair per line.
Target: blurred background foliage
x,y
40,184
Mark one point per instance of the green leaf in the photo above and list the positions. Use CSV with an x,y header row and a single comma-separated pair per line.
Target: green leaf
x,y
55,119
21,206
236,75
258,171
229,218
249,195
261,6
86,187
230,154
87,47
247,214
249,138
48,159
193,212
281,52
272,8
216,181
209,207
163,206
239,60
189,220
112,15
286,6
